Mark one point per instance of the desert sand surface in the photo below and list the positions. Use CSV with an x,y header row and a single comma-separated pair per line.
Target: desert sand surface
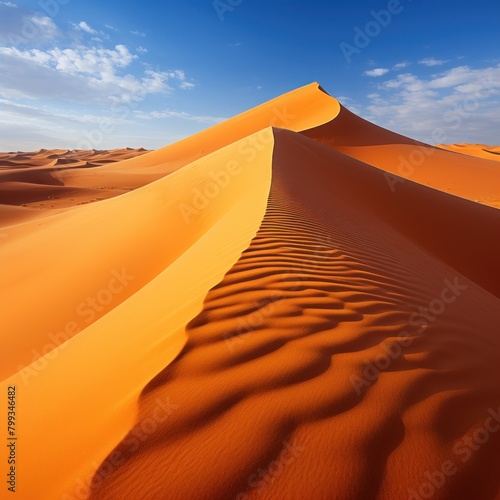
x,y
479,150
292,304
30,181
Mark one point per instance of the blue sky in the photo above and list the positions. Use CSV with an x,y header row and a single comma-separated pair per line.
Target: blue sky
x,y
82,74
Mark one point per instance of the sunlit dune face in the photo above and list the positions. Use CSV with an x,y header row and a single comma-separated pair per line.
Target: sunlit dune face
x,y
479,150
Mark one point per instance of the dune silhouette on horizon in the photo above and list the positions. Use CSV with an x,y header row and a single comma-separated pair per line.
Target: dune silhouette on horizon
x,y
294,303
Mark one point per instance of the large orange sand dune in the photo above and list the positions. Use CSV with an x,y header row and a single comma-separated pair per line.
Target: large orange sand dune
x,y
280,308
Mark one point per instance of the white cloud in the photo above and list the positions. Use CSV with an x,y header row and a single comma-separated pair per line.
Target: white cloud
x,y
138,33
377,72
83,26
45,25
178,74
431,61
81,74
9,4
111,28
401,65
54,115
19,26
158,115
26,127
56,94
452,78
463,102
80,60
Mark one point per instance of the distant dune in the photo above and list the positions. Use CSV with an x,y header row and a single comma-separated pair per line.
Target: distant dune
x,y
479,150
292,304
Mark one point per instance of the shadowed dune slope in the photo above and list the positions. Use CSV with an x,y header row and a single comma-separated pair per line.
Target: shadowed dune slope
x,y
463,234
350,130
475,179
272,394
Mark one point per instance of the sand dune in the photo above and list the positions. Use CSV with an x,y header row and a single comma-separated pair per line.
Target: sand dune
x,y
143,304
33,181
479,150
274,311
471,178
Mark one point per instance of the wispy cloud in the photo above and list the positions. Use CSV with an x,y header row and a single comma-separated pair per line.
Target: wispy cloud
x,y
54,115
377,72
83,26
81,73
431,61
141,50
401,65
159,115
138,33
111,28
179,75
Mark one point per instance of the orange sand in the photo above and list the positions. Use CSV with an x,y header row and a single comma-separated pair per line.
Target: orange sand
x,y
215,333
479,150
